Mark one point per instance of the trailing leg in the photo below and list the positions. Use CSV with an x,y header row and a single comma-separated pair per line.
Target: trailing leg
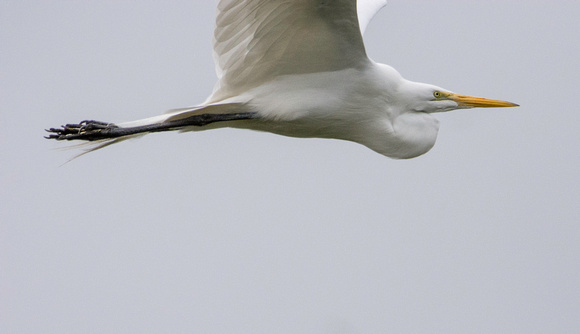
x,y
95,130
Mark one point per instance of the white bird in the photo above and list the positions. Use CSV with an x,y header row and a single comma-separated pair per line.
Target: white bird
x,y
299,68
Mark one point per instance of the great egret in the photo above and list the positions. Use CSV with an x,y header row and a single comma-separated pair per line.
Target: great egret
x,y
299,68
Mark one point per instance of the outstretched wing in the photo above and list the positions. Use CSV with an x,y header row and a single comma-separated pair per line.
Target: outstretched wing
x,y
257,40
367,9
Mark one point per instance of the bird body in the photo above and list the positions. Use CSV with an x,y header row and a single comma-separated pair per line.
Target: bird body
x,y
361,107
299,68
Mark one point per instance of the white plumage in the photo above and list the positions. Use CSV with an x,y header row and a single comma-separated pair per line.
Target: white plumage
x,y
299,68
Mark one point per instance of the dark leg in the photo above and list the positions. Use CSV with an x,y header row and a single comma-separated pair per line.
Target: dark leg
x,y
94,130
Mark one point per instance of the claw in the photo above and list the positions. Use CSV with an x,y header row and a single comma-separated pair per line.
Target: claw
x,y
85,130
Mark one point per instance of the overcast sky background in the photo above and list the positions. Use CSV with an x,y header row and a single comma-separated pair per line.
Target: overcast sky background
x,y
235,231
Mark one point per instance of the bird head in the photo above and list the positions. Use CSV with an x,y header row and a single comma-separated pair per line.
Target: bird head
x,y
431,99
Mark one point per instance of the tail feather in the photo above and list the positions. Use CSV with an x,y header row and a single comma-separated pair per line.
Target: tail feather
x,y
91,146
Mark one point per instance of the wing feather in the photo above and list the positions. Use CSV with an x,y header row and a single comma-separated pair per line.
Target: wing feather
x,y
256,41
367,9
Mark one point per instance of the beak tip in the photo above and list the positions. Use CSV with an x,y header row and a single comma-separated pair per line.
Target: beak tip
x,y
480,102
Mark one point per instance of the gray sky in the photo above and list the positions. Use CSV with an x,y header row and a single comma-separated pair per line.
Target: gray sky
x,y
245,232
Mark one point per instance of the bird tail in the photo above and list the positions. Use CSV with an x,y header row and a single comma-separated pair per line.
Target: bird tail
x,y
90,146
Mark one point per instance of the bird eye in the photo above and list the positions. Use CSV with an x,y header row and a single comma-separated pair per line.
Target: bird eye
x,y
437,94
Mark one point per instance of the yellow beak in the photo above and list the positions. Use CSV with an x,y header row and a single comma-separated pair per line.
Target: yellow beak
x,y
479,102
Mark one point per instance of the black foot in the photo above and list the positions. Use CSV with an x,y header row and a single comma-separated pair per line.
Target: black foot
x,y
85,130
